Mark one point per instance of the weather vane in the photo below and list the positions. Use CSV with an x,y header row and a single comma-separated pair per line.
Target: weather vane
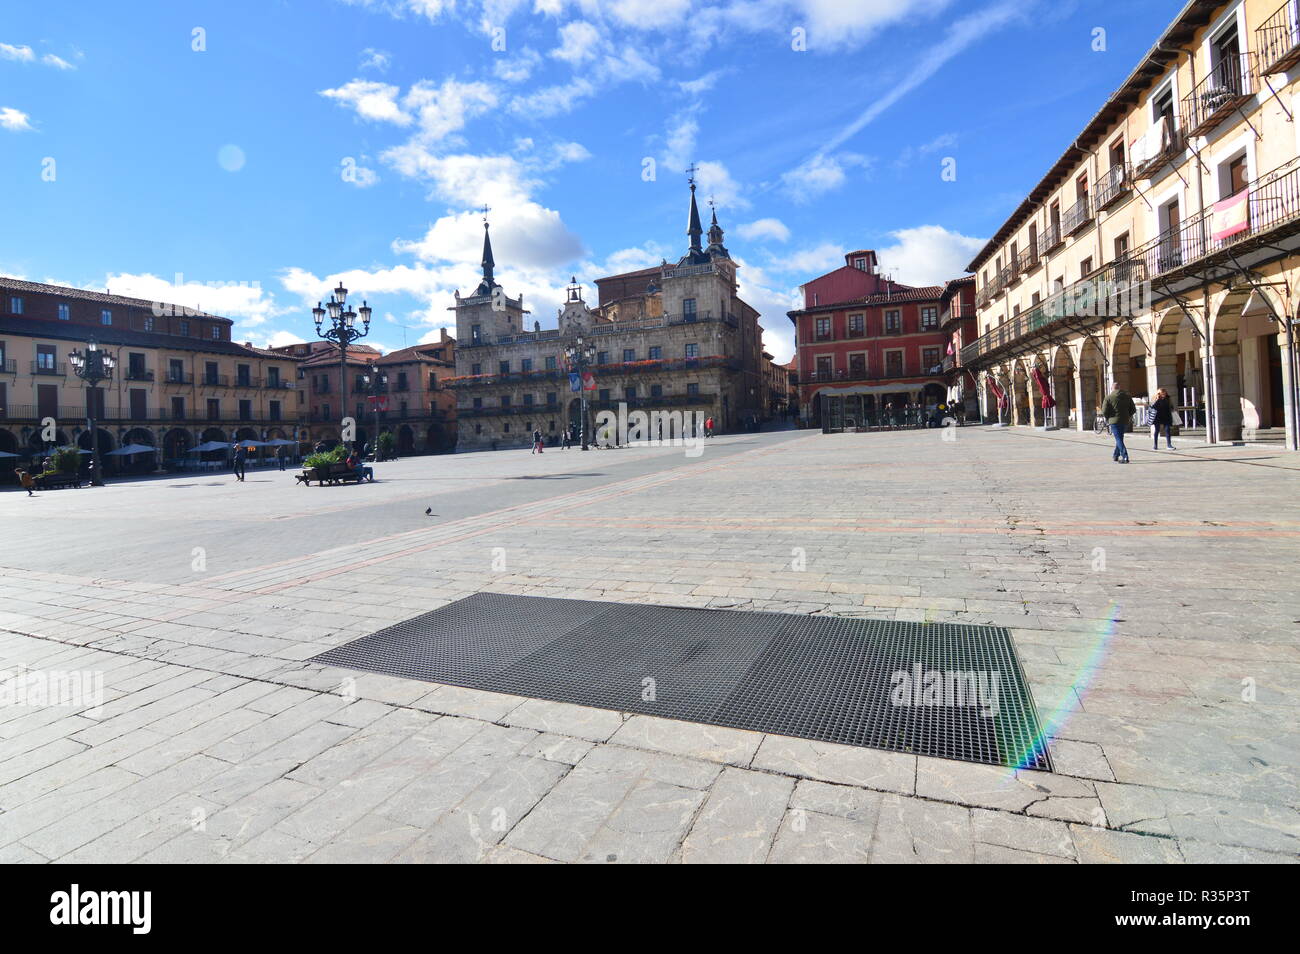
x,y
690,173
485,210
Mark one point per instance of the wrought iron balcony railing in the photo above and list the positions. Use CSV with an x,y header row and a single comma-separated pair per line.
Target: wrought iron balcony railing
x,y
1229,84
1077,215
1050,240
1277,40
1114,185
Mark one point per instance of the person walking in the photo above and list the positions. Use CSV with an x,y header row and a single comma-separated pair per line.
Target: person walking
x,y
282,456
1161,414
1118,410
537,440
25,479
241,458
708,426
568,439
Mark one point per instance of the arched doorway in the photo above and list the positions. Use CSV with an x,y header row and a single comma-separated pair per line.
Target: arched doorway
x,y
176,442
1247,358
405,440
1179,364
1062,377
1129,360
1092,381
214,434
8,442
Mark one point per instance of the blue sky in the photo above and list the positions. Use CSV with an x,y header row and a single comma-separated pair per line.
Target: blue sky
x,y
264,149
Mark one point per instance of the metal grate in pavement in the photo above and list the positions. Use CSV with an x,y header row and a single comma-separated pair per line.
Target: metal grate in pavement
x,y
947,690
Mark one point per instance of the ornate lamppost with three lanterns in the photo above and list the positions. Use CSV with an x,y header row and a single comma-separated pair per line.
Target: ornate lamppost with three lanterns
x,y
93,366
579,355
342,331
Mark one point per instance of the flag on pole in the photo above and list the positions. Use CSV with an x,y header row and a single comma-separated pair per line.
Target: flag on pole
x,y
588,381
575,383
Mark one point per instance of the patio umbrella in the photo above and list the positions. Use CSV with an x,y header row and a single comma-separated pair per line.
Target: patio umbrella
x,y
128,449
7,454
208,447
281,442
252,444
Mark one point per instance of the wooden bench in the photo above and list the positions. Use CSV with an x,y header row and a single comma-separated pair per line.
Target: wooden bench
x,y
55,481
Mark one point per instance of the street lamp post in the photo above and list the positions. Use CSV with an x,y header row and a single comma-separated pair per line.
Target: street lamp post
x,y
342,331
92,366
579,356
376,384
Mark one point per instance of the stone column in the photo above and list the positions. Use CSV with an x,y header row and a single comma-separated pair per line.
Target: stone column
x,y
1226,368
1085,385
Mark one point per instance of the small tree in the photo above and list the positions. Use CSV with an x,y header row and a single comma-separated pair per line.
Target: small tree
x,y
387,444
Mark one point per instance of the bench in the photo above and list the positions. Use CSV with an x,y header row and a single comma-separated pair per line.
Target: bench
x,y
333,474
55,481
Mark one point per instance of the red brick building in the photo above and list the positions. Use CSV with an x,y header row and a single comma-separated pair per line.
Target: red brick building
x,y
868,348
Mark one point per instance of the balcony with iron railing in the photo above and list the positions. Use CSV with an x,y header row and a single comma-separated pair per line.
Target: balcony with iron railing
x,y
1114,185
1277,40
51,368
1077,216
1026,261
178,377
1272,204
8,366
956,311
138,374
1228,85
1050,240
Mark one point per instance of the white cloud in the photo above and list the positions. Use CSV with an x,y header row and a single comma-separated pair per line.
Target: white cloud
x,y
764,229
649,14
716,183
928,254
815,260
444,109
247,302
378,60
20,54
58,62
578,42
679,141
371,99
14,120
519,68
820,174
362,177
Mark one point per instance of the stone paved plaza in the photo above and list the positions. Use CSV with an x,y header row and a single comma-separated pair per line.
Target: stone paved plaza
x,y
1155,608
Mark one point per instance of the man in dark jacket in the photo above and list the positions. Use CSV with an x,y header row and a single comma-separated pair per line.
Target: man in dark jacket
x,y
241,456
1118,410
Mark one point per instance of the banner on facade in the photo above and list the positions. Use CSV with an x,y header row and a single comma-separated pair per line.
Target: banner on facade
x,y
1232,215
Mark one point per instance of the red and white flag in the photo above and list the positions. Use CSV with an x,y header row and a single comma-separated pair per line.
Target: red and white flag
x,y
1231,216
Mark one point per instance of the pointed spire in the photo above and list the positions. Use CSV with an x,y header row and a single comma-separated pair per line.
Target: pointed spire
x,y
489,282
693,227
716,248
